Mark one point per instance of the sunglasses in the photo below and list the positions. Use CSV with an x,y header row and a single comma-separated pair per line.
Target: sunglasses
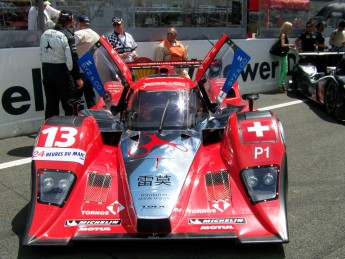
x,y
117,24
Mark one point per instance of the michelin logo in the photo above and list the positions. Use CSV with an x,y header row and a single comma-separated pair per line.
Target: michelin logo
x,y
217,221
73,223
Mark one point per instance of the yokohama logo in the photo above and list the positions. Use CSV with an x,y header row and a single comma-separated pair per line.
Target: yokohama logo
x,y
216,227
95,229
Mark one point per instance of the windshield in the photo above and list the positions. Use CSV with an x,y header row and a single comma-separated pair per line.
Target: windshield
x,y
159,110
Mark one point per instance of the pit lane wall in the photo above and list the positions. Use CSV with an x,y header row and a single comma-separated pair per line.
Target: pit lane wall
x,y
22,94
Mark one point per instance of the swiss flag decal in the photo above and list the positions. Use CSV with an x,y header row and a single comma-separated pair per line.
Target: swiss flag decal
x,y
254,131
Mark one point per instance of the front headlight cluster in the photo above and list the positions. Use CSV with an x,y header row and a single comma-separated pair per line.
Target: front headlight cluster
x,y
54,186
261,182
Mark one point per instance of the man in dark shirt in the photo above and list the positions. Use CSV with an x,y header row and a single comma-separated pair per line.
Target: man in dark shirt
x,y
307,41
320,27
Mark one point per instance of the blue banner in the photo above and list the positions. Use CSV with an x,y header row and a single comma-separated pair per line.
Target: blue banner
x,y
239,62
87,64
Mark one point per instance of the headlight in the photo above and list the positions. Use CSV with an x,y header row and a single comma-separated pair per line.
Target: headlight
x,y
252,181
268,179
48,184
261,183
54,186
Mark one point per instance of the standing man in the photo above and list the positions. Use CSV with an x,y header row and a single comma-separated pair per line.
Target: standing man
x,y
60,71
85,38
320,27
307,41
49,13
122,41
337,38
33,16
172,50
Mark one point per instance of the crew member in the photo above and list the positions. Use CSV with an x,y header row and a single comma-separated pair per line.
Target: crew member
x,y
307,41
122,41
320,27
172,50
60,71
85,38
337,38
49,13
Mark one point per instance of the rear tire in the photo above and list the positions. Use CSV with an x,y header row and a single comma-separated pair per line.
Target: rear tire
x,y
331,98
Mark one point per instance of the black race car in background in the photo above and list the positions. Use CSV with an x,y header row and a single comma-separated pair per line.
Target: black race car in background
x,y
320,76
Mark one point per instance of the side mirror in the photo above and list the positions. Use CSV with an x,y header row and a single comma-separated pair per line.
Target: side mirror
x,y
75,103
250,98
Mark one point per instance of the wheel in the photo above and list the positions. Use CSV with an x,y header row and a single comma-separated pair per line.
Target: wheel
x,y
293,82
331,97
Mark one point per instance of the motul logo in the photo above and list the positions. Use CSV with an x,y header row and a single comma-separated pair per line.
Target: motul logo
x,y
95,229
216,227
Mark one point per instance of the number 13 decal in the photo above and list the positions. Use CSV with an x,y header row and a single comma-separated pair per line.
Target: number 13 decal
x,y
66,136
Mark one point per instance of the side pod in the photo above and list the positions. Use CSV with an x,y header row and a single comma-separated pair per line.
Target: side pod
x,y
253,148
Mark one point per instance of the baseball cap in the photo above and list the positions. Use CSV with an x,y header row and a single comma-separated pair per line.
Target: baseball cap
x,y
117,20
46,3
83,18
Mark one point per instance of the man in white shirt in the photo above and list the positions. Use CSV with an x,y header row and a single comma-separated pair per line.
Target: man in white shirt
x,y
61,77
49,12
85,38
32,17
122,41
337,38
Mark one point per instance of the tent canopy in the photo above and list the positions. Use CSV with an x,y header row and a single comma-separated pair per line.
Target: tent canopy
x,y
256,5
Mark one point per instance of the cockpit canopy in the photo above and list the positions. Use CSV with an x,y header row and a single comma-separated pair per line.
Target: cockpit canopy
x,y
164,110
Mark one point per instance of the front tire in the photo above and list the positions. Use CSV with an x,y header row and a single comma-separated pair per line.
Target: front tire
x,y
331,98
293,84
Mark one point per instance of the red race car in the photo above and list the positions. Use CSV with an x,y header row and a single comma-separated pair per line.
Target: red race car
x,y
164,157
